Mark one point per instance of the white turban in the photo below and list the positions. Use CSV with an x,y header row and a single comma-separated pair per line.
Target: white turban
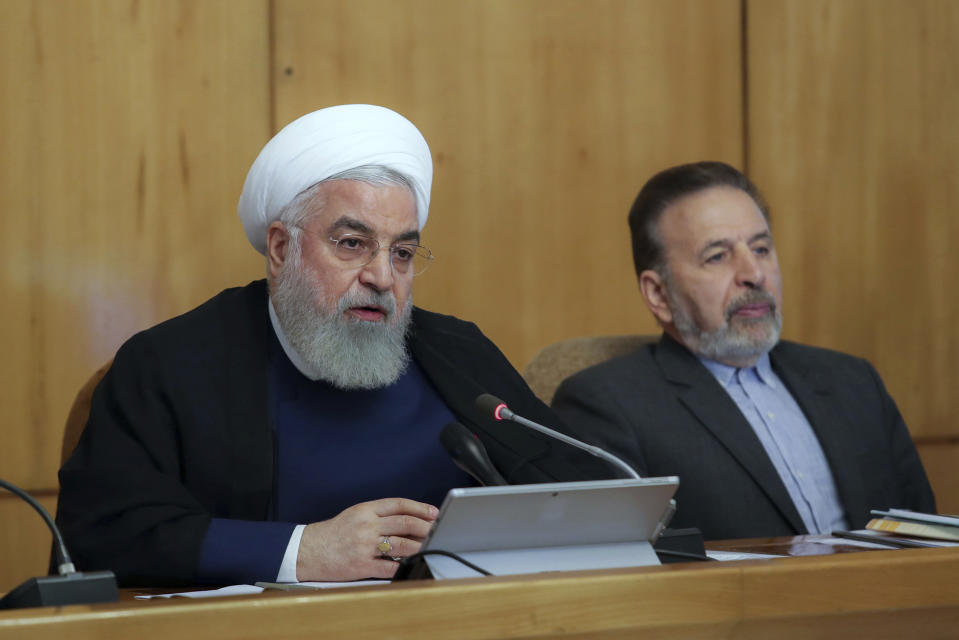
x,y
324,143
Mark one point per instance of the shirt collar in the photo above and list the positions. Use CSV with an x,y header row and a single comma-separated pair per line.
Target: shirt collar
x,y
724,373
764,369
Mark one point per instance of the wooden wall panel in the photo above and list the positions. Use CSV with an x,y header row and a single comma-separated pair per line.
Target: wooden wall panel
x,y
852,134
544,117
127,130
941,459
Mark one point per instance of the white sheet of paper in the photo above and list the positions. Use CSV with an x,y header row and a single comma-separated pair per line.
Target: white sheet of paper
x,y
245,589
848,542
931,518
727,556
298,586
232,590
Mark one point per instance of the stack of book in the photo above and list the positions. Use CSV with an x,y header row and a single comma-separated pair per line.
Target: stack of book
x,y
913,523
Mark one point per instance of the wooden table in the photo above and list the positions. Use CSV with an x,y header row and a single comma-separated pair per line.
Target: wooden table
x,y
879,594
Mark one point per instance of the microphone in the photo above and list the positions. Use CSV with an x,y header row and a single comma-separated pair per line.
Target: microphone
x,y
469,454
490,404
71,586
681,542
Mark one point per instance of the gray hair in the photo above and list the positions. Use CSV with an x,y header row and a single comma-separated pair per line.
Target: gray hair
x,y
298,211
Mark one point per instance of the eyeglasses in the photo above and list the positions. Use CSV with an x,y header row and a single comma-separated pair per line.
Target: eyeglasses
x,y
355,251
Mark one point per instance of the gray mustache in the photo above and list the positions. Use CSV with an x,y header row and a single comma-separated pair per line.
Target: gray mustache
x,y
384,300
751,297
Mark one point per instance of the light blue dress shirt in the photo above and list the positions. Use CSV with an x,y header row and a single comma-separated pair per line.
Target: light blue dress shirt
x,y
788,439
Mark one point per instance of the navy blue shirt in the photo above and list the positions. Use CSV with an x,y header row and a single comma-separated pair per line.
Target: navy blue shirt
x,y
333,449
336,448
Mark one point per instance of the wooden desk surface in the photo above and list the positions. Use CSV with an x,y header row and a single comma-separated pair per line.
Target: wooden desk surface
x,y
882,594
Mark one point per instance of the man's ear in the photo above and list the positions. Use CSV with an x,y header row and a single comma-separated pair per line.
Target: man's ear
x,y
653,288
277,245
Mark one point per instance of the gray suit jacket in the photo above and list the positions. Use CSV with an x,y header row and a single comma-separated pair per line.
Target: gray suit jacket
x,y
662,411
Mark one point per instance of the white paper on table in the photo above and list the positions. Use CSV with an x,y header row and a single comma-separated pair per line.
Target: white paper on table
x,y
301,586
931,518
246,589
233,590
849,542
728,556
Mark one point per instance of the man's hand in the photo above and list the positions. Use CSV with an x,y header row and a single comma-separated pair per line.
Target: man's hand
x,y
345,547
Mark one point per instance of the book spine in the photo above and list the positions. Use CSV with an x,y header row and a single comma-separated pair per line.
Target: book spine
x,y
914,529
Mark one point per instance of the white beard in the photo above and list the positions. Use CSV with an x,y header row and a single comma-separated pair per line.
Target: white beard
x,y
738,339
347,353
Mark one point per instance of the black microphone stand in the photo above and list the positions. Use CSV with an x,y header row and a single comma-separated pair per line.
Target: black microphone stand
x,y
70,586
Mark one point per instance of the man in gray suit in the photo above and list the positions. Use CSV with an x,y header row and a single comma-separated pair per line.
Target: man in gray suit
x,y
768,437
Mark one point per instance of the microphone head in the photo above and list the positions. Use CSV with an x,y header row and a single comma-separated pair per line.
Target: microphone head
x,y
468,453
490,404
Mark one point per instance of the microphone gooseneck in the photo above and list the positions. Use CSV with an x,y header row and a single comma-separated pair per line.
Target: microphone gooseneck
x,y
491,405
64,564
70,586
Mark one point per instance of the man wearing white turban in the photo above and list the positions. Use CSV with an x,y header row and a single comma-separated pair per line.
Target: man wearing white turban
x,y
288,429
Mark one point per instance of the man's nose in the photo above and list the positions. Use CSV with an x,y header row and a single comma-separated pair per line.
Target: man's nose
x,y
749,272
378,274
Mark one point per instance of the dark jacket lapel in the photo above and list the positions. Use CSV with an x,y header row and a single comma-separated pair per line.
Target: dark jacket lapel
x,y
457,389
462,364
709,403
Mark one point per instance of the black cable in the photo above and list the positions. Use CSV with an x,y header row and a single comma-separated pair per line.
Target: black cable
x,y
448,554
683,554
64,564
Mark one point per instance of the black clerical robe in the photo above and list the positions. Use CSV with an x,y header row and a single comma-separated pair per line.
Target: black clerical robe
x,y
179,432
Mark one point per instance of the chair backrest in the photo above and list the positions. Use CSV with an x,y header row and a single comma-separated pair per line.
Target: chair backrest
x,y
79,413
556,362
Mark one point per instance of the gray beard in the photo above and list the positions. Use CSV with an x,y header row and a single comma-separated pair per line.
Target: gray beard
x,y
347,353
737,339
